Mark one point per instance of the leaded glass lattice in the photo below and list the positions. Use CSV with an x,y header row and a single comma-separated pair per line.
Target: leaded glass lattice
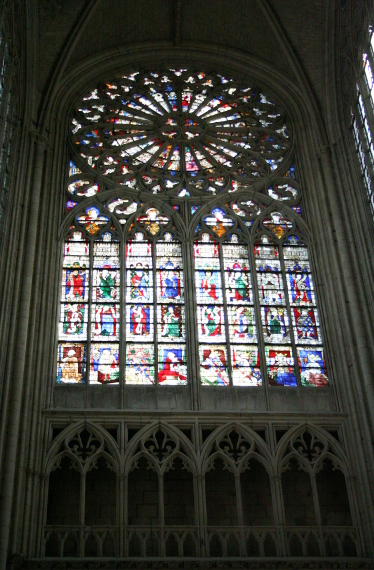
x,y
182,240
178,132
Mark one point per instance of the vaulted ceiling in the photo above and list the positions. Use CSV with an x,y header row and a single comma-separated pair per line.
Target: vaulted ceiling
x,y
242,25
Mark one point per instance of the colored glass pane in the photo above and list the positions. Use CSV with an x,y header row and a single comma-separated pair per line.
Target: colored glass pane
x,y
213,365
173,125
104,363
280,366
245,364
71,363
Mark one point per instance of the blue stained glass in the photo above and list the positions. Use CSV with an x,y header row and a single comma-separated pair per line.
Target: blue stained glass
x,y
291,173
300,285
73,169
140,325
312,367
170,286
209,287
280,366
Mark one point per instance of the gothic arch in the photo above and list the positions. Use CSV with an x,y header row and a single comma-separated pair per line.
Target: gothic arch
x,y
67,435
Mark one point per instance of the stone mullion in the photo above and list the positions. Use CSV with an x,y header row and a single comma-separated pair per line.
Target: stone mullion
x,y
351,482
239,505
204,544
226,314
197,517
154,310
161,513
122,503
192,350
82,505
125,514
122,313
89,308
123,508
278,512
260,337
44,488
317,512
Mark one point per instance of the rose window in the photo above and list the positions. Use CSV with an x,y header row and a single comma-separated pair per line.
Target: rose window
x,y
180,132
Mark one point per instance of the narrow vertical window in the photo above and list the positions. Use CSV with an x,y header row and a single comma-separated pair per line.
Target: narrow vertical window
x,y
274,314
225,310
105,312
140,368
363,118
155,328
72,348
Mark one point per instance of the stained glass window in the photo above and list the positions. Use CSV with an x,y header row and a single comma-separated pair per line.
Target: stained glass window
x,y
7,125
363,117
173,251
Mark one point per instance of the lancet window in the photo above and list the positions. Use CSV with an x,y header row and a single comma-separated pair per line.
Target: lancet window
x,y
7,124
363,117
185,247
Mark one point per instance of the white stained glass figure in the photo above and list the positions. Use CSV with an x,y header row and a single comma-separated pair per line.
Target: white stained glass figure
x,y
104,367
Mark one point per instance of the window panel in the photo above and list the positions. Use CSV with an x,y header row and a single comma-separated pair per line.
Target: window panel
x,y
140,364
155,264
71,363
209,285
275,325
73,321
300,289
170,285
280,366
105,322
211,321
104,363
242,324
232,318
171,323
245,364
172,366
139,326
312,366
213,365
